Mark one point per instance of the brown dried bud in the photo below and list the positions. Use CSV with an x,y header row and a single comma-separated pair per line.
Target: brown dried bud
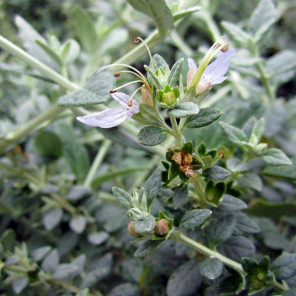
x,y
147,96
117,74
131,230
112,91
162,227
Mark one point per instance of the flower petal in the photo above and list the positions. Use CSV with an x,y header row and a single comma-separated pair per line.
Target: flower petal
x,y
191,64
121,98
105,119
215,71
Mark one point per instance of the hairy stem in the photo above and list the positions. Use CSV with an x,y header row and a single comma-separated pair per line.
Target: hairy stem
x,y
226,261
177,133
97,162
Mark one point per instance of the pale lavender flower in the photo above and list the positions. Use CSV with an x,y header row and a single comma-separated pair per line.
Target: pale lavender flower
x,y
112,117
213,74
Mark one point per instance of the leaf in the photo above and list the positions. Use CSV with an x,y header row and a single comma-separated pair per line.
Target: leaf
x,y
95,91
52,218
146,225
236,33
123,197
275,119
245,225
185,280
232,283
263,208
8,240
51,261
234,134
86,31
238,247
50,52
146,248
284,266
258,128
211,268
48,144
175,73
78,192
158,11
29,35
151,116
214,192
262,18
276,156
153,184
127,289
231,204
194,218
102,268
104,178
236,165
74,152
84,292
77,224
216,173
250,181
184,109
20,284
158,83
40,253
282,61
285,171
64,271
151,136
70,51
180,196
205,117
97,238
221,230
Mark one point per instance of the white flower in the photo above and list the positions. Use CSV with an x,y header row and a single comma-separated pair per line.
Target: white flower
x,y
112,117
213,74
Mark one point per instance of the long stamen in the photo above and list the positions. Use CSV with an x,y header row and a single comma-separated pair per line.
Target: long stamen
x,y
135,92
212,52
122,65
124,85
147,48
131,72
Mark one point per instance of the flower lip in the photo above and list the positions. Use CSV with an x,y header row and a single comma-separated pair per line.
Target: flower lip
x,y
112,117
214,73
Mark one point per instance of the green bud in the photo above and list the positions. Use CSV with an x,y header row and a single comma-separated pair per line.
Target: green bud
x,y
169,99
162,227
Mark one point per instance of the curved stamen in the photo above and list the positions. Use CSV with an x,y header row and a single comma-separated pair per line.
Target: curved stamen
x,y
147,48
124,85
136,91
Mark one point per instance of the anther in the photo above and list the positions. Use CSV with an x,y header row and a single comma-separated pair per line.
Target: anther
x,y
117,74
224,48
137,40
112,91
129,103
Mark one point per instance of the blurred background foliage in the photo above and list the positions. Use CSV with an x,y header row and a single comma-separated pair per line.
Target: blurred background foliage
x,y
61,232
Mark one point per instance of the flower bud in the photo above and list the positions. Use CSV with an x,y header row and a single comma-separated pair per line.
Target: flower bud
x,y
131,229
169,99
162,227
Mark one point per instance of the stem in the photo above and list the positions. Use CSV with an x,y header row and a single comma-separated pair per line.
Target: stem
x,y
30,126
181,44
177,133
263,76
225,260
97,162
210,253
22,55
199,190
